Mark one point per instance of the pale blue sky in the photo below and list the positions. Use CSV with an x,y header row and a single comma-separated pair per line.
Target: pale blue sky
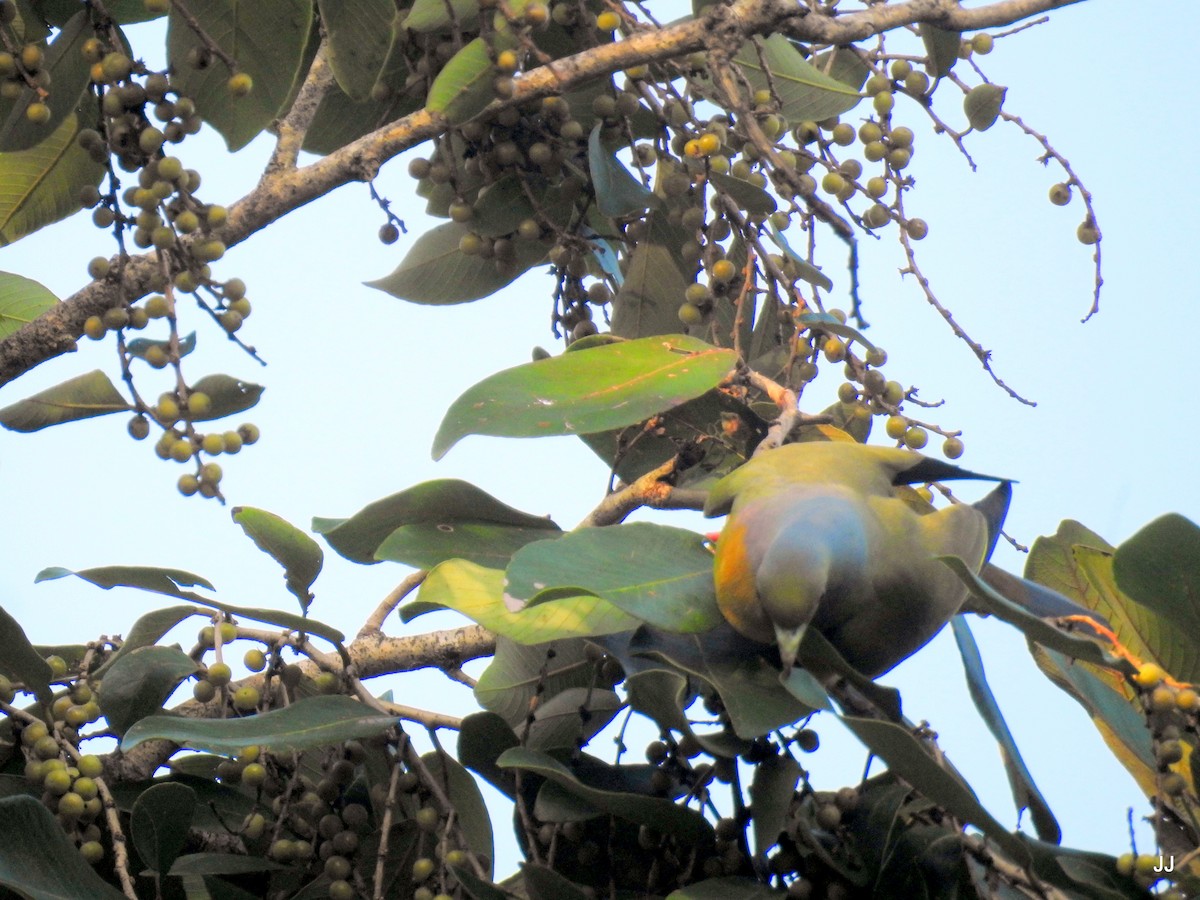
x,y
358,381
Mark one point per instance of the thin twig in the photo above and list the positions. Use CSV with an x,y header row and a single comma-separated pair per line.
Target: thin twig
x,y
391,601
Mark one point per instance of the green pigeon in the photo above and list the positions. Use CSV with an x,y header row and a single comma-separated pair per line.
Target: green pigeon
x,y
825,534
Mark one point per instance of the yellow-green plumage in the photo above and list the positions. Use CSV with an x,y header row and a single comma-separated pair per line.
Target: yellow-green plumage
x,y
818,534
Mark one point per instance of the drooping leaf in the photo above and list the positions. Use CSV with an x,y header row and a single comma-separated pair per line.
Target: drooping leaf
x,y
478,593
658,574
482,737
592,390
147,630
1159,567
1025,791
436,273
618,194
464,85
833,325
662,695
544,883
138,684
685,824
300,556
519,672
267,40
455,509
39,861
21,301
941,46
905,755
19,661
222,864
358,34
309,722
749,197
138,346
68,71
82,397
771,793
340,119
145,578
982,105
649,298
160,822
467,802
571,718
805,92
229,395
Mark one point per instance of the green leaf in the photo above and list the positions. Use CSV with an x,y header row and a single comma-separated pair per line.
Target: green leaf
x,y
830,323
427,16
685,824
267,40
21,301
571,718
662,695
519,672
1159,567
300,555
464,85
148,629
19,661
749,197
290,621
982,105
542,883
427,545
81,397
482,737
436,273
445,503
39,861
138,684
1025,791
649,298
222,864
618,194
805,92
478,594
359,33
159,824
229,395
69,74
907,758
309,722
941,47
771,794
144,578
655,573
467,802
591,390
340,120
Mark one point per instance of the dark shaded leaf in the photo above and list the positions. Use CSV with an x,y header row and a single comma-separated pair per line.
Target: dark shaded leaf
x,y
299,554
1025,791
358,35
1159,567
543,883
140,682
159,824
519,671
592,390
467,802
941,47
307,723
81,397
144,578
222,864
427,545
436,273
749,197
266,38
69,73
658,574
649,299
685,824
39,861
571,718
771,793
439,503
482,737
727,889
662,695
19,661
